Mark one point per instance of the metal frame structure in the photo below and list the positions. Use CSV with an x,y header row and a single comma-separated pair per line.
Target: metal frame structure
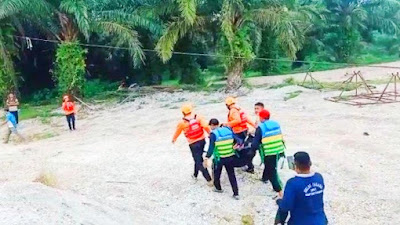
x,y
369,97
313,81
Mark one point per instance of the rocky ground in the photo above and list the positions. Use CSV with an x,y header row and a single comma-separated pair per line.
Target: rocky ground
x,y
119,167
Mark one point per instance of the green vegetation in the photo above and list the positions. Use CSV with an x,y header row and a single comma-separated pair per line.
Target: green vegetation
x,y
47,178
248,220
43,111
70,70
287,82
147,41
292,95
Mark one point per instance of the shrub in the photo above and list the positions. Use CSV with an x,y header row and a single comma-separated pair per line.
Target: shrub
x,y
70,68
98,88
47,178
44,96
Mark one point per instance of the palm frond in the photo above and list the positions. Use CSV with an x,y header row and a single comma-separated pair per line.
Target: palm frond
x,y
124,36
188,10
78,9
131,18
174,31
32,7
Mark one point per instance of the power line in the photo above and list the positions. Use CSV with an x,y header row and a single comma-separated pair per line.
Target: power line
x,y
212,55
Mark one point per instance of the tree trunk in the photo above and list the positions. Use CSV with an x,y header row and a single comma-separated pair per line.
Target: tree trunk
x,y
235,75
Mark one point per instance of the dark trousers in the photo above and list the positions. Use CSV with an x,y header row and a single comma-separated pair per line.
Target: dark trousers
x,y
271,173
244,158
71,121
281,217
197,149
228,163
242,136
15,113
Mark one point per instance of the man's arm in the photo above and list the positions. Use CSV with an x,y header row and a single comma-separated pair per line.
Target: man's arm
x,y
235,115
287,202
211,146
251,122
257,140
178,132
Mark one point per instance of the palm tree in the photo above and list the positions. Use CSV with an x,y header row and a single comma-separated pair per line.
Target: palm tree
x,y
9,10
348,19
241,24
70,21
8,79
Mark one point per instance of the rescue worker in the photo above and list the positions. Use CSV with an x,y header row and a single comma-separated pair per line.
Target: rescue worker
x,y
222,149
238,120
258,107
69,109
304,196
269,141
193,126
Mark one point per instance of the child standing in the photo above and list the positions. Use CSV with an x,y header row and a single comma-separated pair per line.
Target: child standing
x,y
12,126
69,108
12,104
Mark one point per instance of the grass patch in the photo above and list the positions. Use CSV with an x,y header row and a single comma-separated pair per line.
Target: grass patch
x,y
43,136
292,95
287,82
333,86
248,220
29,111
47,178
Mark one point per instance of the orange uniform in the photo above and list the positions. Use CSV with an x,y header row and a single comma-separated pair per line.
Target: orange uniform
x,y
238,120
68,107
192,135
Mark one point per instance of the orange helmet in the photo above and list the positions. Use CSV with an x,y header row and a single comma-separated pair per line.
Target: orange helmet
x,y
230,101
186,108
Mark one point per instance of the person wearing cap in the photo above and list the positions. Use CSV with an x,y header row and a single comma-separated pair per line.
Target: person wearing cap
x,y
69,109
304,196
269,141
193,126
222,141
238,120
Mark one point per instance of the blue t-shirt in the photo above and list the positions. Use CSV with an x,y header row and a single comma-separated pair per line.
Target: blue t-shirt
x,y
11,118
303,198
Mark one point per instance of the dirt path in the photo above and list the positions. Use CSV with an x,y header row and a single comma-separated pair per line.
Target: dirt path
x,y
120,166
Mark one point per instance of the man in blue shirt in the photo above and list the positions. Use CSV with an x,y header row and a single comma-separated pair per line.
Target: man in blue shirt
x,y
12,126
303,196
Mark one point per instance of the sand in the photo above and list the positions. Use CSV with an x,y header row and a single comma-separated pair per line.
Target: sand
x,y
120,167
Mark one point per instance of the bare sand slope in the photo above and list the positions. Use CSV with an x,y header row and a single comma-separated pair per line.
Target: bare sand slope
x,y
121,161
369,73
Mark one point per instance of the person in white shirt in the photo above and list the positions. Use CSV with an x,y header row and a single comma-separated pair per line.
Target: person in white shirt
x,y
12,104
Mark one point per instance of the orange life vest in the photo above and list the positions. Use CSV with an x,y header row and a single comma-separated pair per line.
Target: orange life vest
x,y
69,106
195,130
243,119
